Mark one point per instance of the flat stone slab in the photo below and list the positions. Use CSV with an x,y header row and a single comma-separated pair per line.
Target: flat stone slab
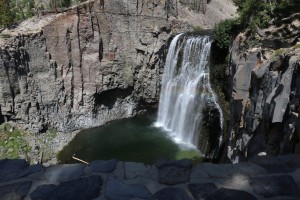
x,y
174,172
58,173
172,194
210,170
135,170
272,186
17,168
278,164
118,190
11,169
104,166
80,189
15,191
136,181
202,190
230,194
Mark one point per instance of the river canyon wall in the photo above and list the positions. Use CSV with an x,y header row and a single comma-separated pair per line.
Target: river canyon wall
x,y
265,83
96,62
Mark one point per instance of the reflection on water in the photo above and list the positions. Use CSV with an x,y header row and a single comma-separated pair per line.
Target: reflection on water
x,y
134,139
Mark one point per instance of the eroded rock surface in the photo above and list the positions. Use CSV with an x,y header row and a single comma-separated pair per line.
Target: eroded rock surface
x,y
265,97
94,63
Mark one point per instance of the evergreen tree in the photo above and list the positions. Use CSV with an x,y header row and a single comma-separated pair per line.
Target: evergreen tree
x,y
5,13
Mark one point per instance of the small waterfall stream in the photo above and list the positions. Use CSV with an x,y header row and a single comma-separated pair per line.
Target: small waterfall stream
x,y
186,90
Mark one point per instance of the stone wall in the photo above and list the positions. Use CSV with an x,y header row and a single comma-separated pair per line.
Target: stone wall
x,y
264,177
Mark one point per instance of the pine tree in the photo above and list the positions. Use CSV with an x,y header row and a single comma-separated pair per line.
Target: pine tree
x,y
5,13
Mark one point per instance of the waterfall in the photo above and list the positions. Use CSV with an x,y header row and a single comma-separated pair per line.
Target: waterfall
x,y
186,90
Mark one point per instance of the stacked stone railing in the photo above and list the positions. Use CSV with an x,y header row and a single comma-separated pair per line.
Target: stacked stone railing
x,y
262,178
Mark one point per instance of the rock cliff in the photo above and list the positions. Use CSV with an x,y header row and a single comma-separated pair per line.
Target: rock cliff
x,y
265,93
96,62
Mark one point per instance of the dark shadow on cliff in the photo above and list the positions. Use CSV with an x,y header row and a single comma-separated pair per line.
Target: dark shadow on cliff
x,y
108,98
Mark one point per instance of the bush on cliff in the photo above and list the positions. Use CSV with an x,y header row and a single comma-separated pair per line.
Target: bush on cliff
x,y
6,17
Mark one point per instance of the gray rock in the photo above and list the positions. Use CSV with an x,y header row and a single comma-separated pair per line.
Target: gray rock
x,y
278,164
33,171
69,81
150,183
80,189
230,194
14,169
102,166
134,170
271,186
58,173
117,190
202,190
174,172
16,191
226,171
282,99
172,194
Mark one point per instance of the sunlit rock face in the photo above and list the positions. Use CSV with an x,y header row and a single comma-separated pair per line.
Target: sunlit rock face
x,y
94,63
265,100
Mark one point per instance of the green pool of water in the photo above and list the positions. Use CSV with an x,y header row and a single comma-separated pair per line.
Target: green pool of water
x,y
133,139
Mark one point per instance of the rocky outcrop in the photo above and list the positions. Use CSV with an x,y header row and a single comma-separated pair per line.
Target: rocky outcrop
x,y
265,98
256,179
94,63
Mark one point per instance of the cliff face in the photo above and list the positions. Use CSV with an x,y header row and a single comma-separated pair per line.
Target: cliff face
x,y
265,95
97,62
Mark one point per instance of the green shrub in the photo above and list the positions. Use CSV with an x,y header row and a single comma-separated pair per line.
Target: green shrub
x,y
253,13
6,16
197,29
5,35
12,142
223,33
284,8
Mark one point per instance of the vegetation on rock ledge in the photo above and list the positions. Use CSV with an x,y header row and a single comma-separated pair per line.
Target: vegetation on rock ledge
x,y
12,143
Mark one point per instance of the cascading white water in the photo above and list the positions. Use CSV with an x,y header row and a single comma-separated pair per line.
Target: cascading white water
x,y
186,88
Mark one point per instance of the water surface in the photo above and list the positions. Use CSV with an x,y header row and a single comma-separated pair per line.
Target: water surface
x,y
134,139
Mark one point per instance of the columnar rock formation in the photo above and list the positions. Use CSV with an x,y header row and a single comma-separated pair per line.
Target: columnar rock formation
x,y
96,62
265,95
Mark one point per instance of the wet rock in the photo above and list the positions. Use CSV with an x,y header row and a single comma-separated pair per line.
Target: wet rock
x,y
16,191
174,172
80,189
117,190
271,186
201,190
172,194
230,194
